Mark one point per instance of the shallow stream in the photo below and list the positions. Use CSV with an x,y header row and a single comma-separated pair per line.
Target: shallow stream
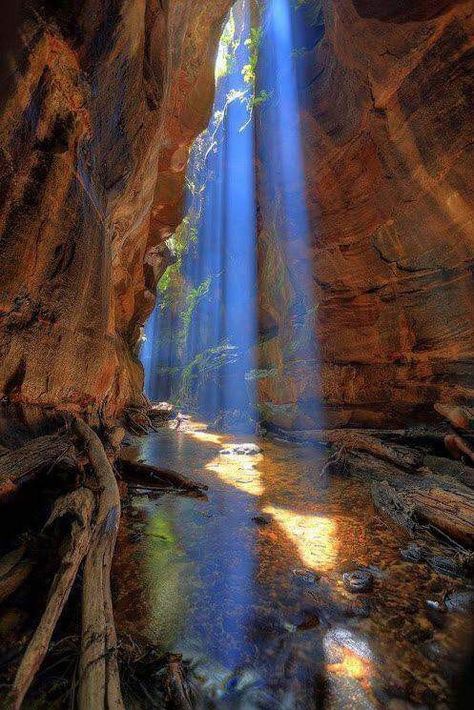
x,y
248,584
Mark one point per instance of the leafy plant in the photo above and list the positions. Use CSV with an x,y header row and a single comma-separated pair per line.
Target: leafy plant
x,y
192,298
201,368
253,42
172,281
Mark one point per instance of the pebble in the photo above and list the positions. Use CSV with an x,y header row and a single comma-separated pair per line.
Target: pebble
x,y
361,580
305,575
241,449
460,601
412,553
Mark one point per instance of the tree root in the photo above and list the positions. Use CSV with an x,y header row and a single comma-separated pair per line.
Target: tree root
x,y
15,567
151,416
178,692
80,505
99,683
91,516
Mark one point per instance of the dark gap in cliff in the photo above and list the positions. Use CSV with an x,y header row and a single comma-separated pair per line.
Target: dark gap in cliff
x,y
15,381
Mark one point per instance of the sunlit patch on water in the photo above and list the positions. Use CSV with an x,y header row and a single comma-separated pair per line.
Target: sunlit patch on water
x,y
313,535
206,436
238,471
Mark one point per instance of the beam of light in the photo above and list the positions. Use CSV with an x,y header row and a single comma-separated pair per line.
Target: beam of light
x,y
283,201
212,340
217,330
314,536
205,436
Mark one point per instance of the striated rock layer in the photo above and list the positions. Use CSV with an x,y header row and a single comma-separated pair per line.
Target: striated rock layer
x,y
100,101
387,139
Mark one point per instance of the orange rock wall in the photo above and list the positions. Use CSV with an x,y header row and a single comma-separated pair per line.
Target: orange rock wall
x,y
388,141
100,101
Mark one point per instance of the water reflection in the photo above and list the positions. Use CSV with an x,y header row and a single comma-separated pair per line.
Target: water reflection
x,y
259,606
238,472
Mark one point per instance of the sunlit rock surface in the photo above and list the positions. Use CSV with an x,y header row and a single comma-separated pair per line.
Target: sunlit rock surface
x,y
387,139
100,102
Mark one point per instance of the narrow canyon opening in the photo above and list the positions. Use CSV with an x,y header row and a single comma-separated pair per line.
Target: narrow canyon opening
x,y
236,342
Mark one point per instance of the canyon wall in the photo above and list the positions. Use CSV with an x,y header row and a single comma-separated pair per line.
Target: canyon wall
x,y
100,101
387,130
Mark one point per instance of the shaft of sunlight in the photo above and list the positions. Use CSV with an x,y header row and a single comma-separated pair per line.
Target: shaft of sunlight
x,y
283,198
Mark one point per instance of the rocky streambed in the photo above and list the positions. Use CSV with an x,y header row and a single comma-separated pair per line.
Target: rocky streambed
x,y
284,587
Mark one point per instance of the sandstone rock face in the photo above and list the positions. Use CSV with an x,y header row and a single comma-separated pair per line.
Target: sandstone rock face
x,y
387,140
100,101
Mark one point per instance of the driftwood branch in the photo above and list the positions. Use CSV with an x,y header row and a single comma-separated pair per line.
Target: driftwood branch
x,y
406,457
18,465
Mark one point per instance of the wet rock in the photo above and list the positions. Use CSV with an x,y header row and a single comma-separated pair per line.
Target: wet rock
x,y
247,449
431,650
412,553
446,565
436,613
360,580
358,609
161,411
262,519
305,575
460,601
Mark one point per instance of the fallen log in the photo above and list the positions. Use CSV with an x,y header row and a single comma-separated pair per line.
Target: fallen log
x,y
99,683
449,511
147,476
416,497
447,467
20,464
356,439
80,505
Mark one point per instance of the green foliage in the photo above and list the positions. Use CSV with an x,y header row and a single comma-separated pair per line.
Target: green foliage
x,y
253,42
201,368
192,298
260,98
260,374
181,241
